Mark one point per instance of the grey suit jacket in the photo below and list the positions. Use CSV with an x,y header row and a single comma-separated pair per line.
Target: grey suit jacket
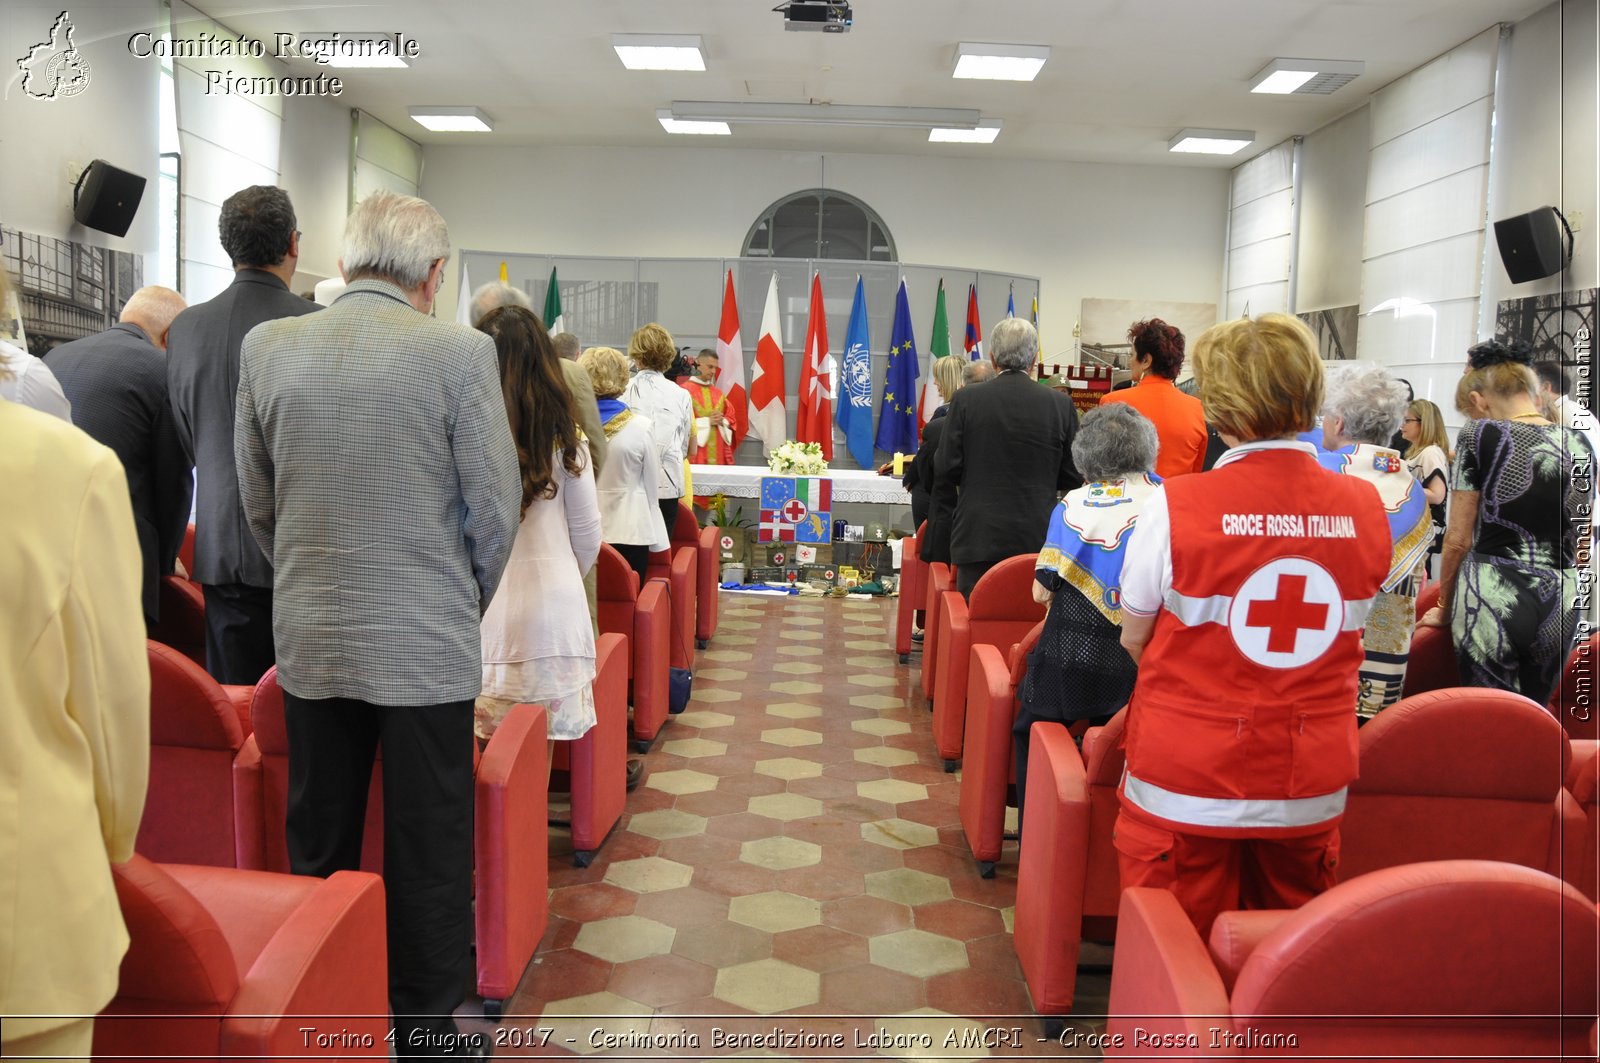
x,y
587,410
203,378
117,384
378,474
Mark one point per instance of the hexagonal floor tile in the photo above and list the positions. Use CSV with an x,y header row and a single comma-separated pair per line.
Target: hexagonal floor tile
x,y
805,636
791,736
786,806
892,791
704,718
662,980
681,781
780,854
627,937
667,823
584,1022
722,674
736,625
768,986
793,710
800,651
715,696
795,688
649,874
882,728
865,644
877,701
802,621
885,756
775,911
1008,918
866,660
788,768
871,680
898,833
733,640
795,667
918,952
694,747
726,655
906,886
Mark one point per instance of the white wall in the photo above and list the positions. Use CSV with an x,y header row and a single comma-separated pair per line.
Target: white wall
x,y
1117,232
115,118
315,171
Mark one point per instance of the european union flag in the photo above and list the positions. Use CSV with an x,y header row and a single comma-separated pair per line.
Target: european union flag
x,y
855,385
897,417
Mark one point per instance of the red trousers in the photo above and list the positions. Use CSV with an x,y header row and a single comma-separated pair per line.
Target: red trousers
x,y
1211,874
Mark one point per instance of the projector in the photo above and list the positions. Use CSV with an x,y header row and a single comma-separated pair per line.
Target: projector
x,y
826,16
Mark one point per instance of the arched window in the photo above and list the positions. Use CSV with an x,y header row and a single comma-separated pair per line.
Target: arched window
x,y
820,223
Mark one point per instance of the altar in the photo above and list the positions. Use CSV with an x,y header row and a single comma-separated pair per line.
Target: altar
x,y
849,485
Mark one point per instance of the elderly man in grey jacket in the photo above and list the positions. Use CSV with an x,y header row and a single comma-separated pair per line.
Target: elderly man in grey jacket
x,y
377,471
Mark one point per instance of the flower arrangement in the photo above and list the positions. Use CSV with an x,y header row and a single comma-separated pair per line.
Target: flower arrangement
x,y
797,459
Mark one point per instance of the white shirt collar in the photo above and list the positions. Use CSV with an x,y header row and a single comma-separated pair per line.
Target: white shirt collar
x,y
1234,453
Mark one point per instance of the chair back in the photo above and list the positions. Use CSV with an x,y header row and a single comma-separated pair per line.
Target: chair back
x,y
183,617
1462,773
1459,958
1586,791
194,737
1002,606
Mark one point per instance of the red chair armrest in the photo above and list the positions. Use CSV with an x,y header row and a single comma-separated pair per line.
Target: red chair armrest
x,y
1051,870
707,573
249,815
950,685
599,760
1164,981
511,848
986,753
652,640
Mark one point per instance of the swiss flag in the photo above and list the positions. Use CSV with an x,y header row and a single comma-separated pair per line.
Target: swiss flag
x,y
730,363
815,423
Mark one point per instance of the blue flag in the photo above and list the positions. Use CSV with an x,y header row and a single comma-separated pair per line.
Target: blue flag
x,y
1011,302
855,392
897,418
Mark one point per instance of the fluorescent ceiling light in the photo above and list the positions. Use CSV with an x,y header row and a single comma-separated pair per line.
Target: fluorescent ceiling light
x,y
988,129
1316,77
737,111
1000,62
1211,141
452,119
693,128
644,51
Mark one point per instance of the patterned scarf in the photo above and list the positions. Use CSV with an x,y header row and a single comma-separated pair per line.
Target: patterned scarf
x,y
614,413
1089,535
1404,503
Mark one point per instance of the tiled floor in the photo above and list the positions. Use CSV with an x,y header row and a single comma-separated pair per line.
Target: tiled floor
x,y
795,851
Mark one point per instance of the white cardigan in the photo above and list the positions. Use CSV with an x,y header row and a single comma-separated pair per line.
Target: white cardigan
x,y
671,415
629,514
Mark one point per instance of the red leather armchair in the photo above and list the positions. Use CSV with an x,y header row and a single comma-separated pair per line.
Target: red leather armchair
x,y
940,578
1000,613
183,618
186,551
1454,959
1585,789
1574,702
1068,883
196,730
228,964
708,571
640,616
1432,662
597,763
988,762
1463,773
913,592
678,569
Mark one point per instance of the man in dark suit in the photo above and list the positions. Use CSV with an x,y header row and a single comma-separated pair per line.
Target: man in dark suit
x,y
117,384
1007,447
257,228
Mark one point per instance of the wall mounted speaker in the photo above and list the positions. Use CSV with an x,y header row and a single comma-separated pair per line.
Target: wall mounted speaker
x,y
1531,244
107,198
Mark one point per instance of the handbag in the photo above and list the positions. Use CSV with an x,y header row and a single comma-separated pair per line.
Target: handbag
x,y
680,681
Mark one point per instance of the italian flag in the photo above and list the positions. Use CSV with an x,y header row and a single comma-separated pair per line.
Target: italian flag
x,y
938,347
554,321
815,492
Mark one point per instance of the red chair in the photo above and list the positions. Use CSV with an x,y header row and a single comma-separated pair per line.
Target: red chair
x,y
229,964
708,570
1464,773
186,551
1574,702
196,731
913,592
678,569
640,616
597,764
1431,664
183,618
1585,790
1000,613
1068,883
940,578
1462,959
988,765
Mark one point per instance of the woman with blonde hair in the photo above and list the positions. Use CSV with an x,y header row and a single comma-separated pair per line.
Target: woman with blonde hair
x,y
669,410
1519,521
1427,456
629,516
1243,596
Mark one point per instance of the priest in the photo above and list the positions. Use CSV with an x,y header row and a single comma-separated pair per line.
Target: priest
x,y
716,427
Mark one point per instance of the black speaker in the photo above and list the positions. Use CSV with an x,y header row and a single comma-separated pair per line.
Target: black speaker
x,y
1531,244
107,198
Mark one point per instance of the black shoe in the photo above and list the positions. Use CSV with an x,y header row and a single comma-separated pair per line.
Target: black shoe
x,y
916,636
635,772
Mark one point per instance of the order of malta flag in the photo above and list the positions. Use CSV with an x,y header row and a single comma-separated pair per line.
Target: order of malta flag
x,y
730,365
817,378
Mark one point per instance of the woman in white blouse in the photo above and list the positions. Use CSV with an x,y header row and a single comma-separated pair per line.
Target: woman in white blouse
x,y
669,409
532,652
627,485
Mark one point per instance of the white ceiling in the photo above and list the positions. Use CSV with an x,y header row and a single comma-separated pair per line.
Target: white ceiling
x,y
1123,75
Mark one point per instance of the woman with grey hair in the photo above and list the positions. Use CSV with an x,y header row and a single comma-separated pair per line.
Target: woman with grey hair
x,y
1361,409
1078,670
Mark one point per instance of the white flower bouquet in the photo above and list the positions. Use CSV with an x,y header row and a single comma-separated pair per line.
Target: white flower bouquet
x,y
797,459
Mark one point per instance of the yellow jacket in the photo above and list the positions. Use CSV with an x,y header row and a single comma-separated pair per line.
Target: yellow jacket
x,y
74,714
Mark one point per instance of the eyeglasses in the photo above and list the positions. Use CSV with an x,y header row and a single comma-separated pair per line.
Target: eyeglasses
x,y
1413,420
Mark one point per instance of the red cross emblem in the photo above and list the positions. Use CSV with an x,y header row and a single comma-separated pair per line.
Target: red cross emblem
x,y
794,511
1287,613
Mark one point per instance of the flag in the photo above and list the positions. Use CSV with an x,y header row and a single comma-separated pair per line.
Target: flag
x,y
730,365
897,422
855,387
768,418
464,299
554,322
974,340
938,347
815,423
795,510
1011,301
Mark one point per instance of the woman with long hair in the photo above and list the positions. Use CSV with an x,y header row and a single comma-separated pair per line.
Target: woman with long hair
x,y
1179,418
1428,457
532,651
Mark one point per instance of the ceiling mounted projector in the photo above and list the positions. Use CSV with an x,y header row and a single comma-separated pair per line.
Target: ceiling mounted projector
x,y
824,16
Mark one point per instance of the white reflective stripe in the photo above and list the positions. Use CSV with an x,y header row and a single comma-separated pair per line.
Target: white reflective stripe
x,y
1356,612
1232,812
1192,611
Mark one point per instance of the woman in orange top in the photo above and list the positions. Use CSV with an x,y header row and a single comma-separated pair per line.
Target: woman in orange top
x,y
1179,419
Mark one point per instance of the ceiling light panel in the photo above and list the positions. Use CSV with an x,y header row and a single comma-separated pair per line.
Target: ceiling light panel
x,y
1000,62
452,119
1211,141
737,111
691,127
1314,77
643,51
987,130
